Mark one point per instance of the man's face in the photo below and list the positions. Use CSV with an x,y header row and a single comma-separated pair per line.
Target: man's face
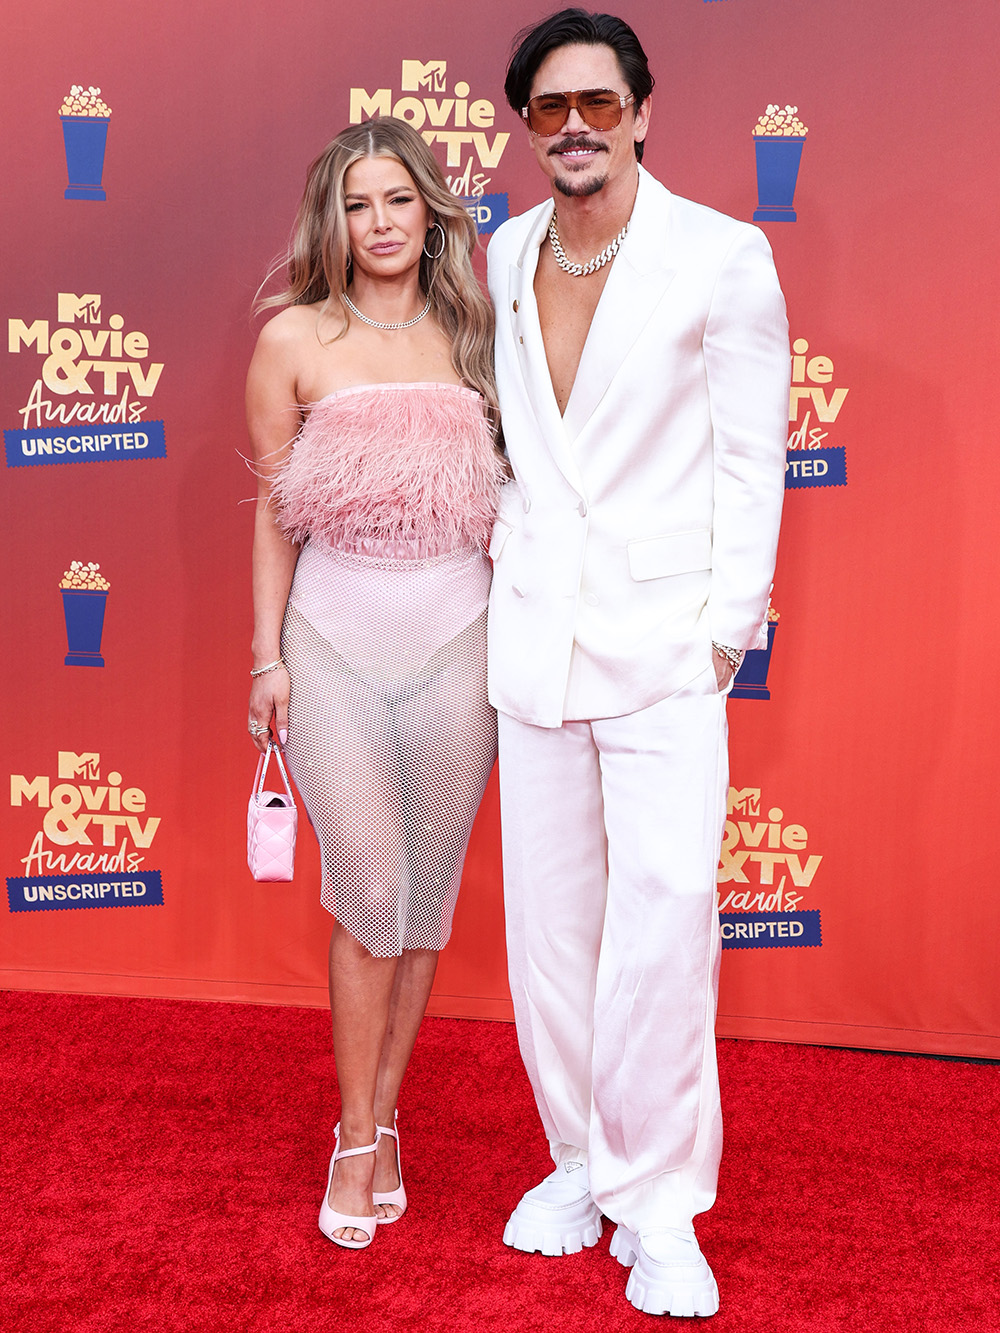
x,y
579,160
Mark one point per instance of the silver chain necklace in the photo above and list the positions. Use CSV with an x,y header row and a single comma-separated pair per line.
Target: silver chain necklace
x,y
377,323
592,265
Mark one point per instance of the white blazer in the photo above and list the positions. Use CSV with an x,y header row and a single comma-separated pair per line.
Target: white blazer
x,y
643,523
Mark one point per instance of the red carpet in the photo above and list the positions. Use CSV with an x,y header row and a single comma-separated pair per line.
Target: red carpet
x,y
163,1164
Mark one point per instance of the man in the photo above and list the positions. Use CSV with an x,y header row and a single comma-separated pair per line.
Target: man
x,y
643,370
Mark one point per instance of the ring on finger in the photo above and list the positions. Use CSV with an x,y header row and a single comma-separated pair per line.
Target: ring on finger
x,y
257,728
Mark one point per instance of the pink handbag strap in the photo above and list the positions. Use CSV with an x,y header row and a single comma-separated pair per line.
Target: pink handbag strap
x,y
262,763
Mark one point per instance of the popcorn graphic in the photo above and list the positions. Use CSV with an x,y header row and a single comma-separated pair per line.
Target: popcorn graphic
x,y
778,138
84,595
780,122
84,578
751,679
84,102
84,115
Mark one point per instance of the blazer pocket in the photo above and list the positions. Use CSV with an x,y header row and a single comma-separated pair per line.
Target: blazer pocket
x,y
674,553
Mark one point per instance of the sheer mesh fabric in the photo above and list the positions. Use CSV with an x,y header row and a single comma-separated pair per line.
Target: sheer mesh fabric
x,y
391,749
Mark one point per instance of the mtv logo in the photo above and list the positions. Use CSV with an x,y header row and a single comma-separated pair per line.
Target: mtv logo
x,y
75,309
79,765
430,75
744,800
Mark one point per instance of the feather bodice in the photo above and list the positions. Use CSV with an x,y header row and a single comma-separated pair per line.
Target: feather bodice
x,y
392,467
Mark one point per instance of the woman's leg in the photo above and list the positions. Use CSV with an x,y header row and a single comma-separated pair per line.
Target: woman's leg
x,y
377,1005
361,990
410,993
445,743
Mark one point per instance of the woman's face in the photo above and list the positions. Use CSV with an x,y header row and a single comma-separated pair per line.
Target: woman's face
x,y
387,220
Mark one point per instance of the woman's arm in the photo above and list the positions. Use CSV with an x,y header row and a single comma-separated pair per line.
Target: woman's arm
x,y
273,419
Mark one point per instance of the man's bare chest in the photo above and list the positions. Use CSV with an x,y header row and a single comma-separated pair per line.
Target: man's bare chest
x,y
566,309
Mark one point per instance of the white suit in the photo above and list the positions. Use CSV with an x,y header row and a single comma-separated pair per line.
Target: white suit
x,y
641,525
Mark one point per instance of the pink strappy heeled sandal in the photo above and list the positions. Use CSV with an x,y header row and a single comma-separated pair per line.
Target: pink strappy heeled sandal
x,y
331,1221
398,1195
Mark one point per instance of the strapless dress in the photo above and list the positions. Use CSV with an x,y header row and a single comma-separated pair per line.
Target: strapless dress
x,y
391,490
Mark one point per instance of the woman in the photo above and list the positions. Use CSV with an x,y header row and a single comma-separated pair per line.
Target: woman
x,y
369,402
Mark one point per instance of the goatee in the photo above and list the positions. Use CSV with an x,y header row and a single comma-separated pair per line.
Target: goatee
x,y
579,189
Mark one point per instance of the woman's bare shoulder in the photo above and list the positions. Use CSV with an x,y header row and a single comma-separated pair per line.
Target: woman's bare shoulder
x,y
290,326
286,348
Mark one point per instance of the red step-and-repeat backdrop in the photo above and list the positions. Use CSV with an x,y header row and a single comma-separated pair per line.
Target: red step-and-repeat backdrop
x,y
153,160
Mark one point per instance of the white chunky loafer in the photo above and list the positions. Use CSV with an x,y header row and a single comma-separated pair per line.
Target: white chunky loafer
x,y
558,1216
669,1274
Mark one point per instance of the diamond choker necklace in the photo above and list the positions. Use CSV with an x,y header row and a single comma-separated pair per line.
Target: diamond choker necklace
x,y
377,323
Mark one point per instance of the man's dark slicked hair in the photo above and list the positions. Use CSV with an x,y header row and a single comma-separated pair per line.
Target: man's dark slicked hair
x,y
577,27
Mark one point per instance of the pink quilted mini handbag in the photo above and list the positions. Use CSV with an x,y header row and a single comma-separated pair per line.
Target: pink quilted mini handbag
x,y
272,820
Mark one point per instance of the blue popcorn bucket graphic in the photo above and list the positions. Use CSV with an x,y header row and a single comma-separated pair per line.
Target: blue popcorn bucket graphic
x,y
85,138
751,679
777,173
84,613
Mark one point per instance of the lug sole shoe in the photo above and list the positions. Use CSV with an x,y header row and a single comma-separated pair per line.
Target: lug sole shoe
x,y
669,1272
556,1217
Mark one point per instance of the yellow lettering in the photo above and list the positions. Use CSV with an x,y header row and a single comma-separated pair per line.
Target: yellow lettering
x,y
142,836
438,112
489,156
794,838
145,384
410,109
378,103
21,789
136,345
827,411
64,376
65,830
38,333
482,114
111,370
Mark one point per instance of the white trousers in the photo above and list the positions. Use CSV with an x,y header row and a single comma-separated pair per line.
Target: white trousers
x,y
611,837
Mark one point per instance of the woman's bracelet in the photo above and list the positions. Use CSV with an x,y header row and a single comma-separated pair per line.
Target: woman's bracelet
x,y
271,666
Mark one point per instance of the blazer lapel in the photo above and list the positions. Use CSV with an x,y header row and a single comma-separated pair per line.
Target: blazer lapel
x,y
527,335
640,275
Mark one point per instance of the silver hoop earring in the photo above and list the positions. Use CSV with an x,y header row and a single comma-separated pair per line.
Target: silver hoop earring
x,y
444,241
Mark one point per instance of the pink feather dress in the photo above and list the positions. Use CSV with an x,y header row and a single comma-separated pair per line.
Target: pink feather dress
x,y
391,491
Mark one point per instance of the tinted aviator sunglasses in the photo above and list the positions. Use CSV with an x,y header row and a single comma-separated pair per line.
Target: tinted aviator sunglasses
x,y
601,108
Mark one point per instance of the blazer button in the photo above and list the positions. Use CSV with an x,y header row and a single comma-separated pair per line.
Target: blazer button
x,y
582,508
515,307
591,598
517,592
521,341
526,505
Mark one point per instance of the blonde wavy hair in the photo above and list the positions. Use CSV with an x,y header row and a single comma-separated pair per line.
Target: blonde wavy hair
x,y
317,262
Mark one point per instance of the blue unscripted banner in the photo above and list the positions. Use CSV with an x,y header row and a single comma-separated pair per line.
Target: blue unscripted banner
x,y
84,444
67,893
815,467
771,930
488,211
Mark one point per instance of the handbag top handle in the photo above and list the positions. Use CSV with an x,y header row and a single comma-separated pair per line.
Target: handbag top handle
x,y
262,764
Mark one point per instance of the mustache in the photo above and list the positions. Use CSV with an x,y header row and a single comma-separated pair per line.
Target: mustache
x,y
577,141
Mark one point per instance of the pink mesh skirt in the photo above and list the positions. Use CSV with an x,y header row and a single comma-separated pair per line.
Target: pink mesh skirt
x,y
391,737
